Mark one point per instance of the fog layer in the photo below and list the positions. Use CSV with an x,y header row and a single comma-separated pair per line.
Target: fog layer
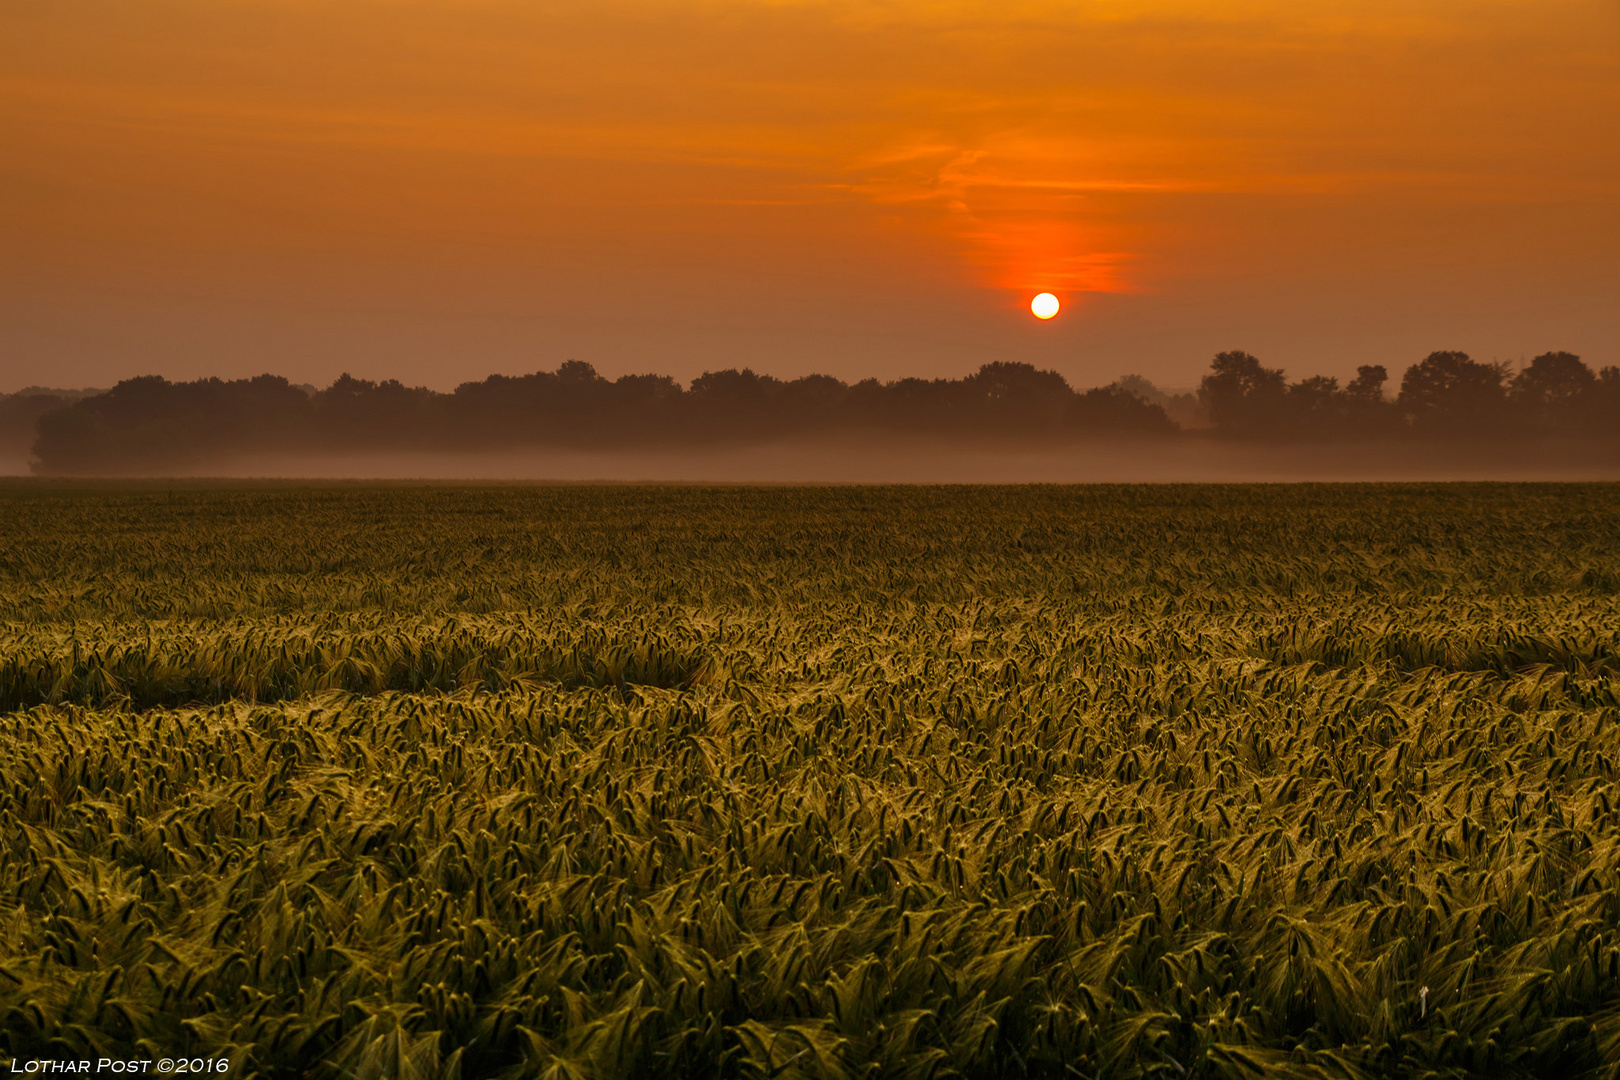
x,y
868,460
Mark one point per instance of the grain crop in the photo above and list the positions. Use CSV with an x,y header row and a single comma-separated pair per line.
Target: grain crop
x,y
1306,781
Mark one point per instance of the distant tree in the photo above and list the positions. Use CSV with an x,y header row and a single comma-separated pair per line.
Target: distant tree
x,y
1319,409
732,385
573,404
1108,409
911,404
148,423
361,413
1316,406
1016,396
867,405
817,388
1141,386
19,413
581,406
816,402
578,373
731,404
1368,413
1367,387
502,410
637,409
646,388
1555,394
1602,413
1450,393
1002,381
1184,409
1244,397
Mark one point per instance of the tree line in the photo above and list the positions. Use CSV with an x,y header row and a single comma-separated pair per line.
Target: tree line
x,y
20,413
1446,395
149,424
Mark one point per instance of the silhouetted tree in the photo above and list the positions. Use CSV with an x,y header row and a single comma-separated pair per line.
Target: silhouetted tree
x,y
730,385
1185,409
499,410
1316,406
641,409
1604,413
1367,388
1110,410
730,404
1368,413
387,415
1555,394
1017,397
1452,394
816,402
148,423
1243,397
910,404
19,413
570,405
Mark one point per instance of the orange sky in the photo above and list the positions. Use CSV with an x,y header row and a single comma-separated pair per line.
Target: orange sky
x,y
439,189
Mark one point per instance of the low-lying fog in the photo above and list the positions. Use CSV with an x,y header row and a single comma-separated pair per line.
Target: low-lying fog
x,y
868,460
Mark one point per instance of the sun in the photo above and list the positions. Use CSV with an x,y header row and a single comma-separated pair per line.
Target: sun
x,y
1044,306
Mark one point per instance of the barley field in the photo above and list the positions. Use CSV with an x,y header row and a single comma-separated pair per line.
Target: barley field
x,y
1272,781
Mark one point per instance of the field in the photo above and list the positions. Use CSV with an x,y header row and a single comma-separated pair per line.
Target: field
x,y
1313,781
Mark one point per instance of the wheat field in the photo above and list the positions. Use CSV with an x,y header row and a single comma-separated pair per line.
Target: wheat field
x,y
1273,781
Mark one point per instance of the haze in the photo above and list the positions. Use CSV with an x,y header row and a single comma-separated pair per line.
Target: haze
x,y
866,460
434,190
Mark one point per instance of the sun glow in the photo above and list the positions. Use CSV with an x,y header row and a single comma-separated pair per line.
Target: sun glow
x,y
1044,306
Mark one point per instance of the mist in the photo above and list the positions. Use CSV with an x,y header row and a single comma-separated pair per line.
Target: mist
x,y
878,460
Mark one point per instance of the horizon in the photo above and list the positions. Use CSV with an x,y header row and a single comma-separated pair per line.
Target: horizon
x,y
1453,418
309,387
1192,388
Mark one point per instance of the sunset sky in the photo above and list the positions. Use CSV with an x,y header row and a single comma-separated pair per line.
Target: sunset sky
x,y
439,189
